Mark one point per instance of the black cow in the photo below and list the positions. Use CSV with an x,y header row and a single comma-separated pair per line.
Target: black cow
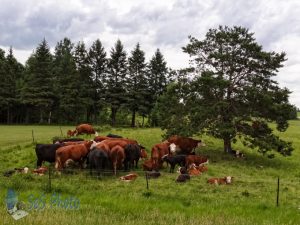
x,y
46,152
114,136
57,141
98,160
132,156
173,160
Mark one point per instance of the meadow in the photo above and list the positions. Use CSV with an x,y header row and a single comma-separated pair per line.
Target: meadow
x,y
251,199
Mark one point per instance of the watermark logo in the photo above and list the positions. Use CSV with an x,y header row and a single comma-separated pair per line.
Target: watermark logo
x,y
12,205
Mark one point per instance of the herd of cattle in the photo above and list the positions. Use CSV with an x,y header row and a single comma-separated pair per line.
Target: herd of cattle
x,y
113,152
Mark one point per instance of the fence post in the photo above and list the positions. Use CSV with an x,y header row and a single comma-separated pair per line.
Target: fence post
x,y
146,175
277,199
32,133
49,179
61,131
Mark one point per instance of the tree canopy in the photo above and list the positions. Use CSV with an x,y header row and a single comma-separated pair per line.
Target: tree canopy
x,y
229,92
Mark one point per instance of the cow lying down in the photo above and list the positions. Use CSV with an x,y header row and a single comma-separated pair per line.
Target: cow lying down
x,y
129,177
217,181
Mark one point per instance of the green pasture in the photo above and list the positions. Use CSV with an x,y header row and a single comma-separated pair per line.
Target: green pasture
x,y
251,199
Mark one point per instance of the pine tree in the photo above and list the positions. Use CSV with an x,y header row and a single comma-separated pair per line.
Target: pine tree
x,y
85,76
67,83
38,89
137,83
15,73
116,92
158,79
98,63
4,88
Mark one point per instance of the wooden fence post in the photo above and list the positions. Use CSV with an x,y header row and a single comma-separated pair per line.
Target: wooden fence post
x,y
277,199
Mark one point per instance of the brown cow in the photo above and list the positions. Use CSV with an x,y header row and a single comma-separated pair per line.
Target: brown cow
x,y
85,129
224,180
148,165
186,145
196,159
73,152
71,133
158,151
101,138
117,156
129,177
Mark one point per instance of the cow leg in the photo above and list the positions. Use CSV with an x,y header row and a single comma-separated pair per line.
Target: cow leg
x,y
136,163
39,163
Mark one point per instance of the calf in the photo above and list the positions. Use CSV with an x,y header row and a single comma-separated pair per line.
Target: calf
x,y
224,180
98,160
173,160
117,156
85,129
129,177
40,171
158,151
184,176
133,153
196,159
46,152
148,165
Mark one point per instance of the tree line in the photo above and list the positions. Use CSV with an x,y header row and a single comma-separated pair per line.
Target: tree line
x,y
76,84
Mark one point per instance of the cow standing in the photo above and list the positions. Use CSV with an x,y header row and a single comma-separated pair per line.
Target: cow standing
x,y
46,152
186,145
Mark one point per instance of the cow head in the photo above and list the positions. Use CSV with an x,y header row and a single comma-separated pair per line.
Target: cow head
x,y
144,154
228,179
172,148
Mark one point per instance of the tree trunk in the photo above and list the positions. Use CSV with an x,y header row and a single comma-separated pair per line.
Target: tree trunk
x,y
8,115
41,116
143,121
113,116
133,119
227,145
49,118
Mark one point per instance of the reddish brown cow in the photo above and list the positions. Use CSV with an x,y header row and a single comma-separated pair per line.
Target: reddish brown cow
x,y
85,129
158,151
73,152
196,159
185,144
129,177
148,165
224,180
101,138
71,133
117,156
144,154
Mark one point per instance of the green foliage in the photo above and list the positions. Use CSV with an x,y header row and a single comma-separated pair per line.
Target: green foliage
x,y
231,89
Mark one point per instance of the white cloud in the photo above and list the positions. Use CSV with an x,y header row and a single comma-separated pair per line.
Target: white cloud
x,y
155,24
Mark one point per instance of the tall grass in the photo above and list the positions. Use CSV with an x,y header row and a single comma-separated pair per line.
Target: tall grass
x,y
251,199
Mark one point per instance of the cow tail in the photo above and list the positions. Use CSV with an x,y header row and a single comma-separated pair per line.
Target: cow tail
x,y
57,162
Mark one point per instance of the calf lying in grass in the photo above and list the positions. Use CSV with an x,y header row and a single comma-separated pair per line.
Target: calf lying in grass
x,y
224,180
184,176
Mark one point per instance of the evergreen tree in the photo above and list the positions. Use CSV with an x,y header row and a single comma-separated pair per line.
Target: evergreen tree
x,y
137,83
85,76
157,77
116,92
67,81
4,88
38,90
14,72
98,63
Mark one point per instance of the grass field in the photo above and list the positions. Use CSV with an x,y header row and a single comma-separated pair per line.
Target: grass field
x,y
251,199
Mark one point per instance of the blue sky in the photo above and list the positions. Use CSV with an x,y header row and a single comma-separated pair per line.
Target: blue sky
x,y
163,24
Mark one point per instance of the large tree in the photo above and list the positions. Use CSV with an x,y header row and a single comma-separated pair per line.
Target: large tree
x,y
137,85
98,63
37,91
116,79
232,93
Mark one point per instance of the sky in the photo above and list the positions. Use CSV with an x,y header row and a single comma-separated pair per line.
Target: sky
x,y
163,24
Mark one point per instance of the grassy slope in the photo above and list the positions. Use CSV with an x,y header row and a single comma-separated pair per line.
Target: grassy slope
x,y
250,200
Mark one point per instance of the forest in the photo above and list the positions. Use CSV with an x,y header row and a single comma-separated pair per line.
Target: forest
x,y
76,84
